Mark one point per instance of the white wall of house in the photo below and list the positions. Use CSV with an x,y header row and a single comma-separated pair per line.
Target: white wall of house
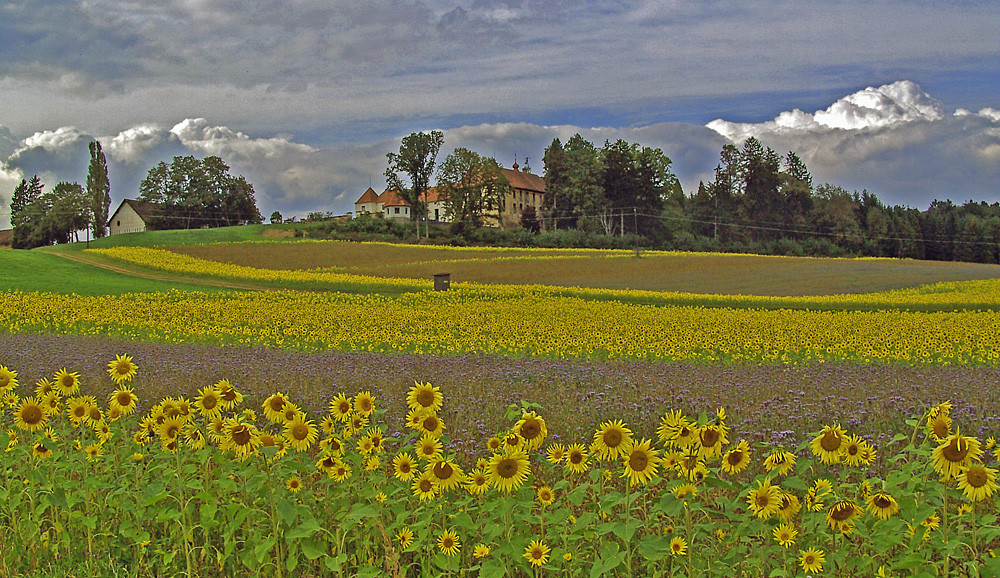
x,y
396,212
126,220
371,208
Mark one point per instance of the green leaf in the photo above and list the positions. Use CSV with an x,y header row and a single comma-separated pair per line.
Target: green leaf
x,y
333,563
305,529
492,569
287,511
653,547
263,549
312,548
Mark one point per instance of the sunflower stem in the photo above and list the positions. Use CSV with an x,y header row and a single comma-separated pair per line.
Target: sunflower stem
x,y
278,563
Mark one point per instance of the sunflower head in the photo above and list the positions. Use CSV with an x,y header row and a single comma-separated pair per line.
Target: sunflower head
x,y
122,369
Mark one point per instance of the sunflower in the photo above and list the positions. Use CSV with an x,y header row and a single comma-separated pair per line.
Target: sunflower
x,y
532,430
939,426
428,447
977,482
423,486
576,458
41,450
509,470
449,543
193,436
327,463
372,463
882,505
430,424
494,444
45,387
231,397
328,424
537,553
122,369
785,535
270,440
686,489
8,378
301,434
67,383
545,496
51,403
378,442
737,459
364,404
332,445
94,452
954,453
678,546
293,484
641,463
170,428
30,415
404,537
671,421
477,482
790,505
340,408
611,440
242,438
355,423
811,560
765,499
829,444
858,452
446,474
842,512
424,397
710,439
340,471
692,467
96,416
403,466
290,413
555,453
208,403
481,551
274,407
779,460
124,399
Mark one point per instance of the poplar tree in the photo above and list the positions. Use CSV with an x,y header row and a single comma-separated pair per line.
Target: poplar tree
x,y
98,190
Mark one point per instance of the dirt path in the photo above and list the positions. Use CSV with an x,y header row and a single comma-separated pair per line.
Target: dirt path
x,y
81,258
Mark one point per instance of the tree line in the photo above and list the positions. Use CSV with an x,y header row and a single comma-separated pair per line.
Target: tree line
x,y
187,193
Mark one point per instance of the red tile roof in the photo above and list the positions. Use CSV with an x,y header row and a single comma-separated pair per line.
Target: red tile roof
x,y
369,196
522,180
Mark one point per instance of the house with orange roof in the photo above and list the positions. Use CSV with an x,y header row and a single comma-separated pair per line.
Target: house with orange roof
x,y
526,189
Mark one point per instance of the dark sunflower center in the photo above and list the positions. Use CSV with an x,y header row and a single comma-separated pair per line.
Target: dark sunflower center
x,y
172,431
734,457
67,381
32,414
241,435
123,368
209,402
507,468
830,441
277,404
229,395
344,407
763,500
300,431
431,423
425,398
426,486
709,437
976,477
365,405
95,414
853,449
575,457
443,470
124,399
328,462
612,438
537,554
405,467
955,451
842,512
267,440
638,461
881,501
79,411
530,429
447,543
940,427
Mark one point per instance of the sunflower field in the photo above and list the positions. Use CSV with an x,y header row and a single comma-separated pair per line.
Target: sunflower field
x,y
210,483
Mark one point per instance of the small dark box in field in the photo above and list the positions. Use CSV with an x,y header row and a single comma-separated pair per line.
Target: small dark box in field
x,y
442,281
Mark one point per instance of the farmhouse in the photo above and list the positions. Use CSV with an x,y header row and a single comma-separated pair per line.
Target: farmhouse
x,y
131,217
526,189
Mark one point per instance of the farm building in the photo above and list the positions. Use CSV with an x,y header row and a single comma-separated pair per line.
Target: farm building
x,y
6,238
526,189
131,216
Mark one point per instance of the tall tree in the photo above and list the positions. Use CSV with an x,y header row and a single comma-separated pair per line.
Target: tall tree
x,y
473,187
555,202
584,173
415,161
24,213
98,190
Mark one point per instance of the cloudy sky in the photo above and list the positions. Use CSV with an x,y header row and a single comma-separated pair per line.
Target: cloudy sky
x,y
306,97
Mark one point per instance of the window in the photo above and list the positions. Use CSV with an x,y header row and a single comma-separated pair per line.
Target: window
x,y
397,210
